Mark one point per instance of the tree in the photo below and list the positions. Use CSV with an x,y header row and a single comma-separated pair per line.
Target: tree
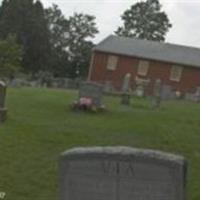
x,y
58,26
58,29
10,57
70,42
145,20
82,27
26,20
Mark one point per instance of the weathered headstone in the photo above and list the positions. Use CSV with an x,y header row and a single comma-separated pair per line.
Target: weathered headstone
x,y
125,99
92,90
121,173
193,96
197,94
167,93
139,91
108,86
156,100
3,110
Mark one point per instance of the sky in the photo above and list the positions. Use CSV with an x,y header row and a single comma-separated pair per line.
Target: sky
x,y
183,14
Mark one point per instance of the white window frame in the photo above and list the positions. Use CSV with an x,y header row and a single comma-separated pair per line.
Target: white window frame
x,y
176,73
143,67
112,62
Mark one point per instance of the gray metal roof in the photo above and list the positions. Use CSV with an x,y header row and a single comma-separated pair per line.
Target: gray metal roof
x,y
151,50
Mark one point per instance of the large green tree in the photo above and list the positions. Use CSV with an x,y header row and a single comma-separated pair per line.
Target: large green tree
x,y
26,19
82,28
70,41
58,28
145,20
10,57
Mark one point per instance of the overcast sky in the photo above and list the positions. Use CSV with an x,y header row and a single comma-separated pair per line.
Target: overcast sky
x,y
183,14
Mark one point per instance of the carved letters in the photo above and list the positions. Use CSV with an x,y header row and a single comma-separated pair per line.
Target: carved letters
x,y
118,168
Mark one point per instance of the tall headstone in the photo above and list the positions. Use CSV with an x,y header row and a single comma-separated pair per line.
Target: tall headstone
x,y
125,100
156,100
121,173
92,90
3,109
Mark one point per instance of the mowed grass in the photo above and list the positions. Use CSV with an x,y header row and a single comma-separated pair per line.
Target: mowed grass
x,y
40,126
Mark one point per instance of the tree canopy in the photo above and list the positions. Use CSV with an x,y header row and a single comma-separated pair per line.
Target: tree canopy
x,y
25,19
145,20
70,41
50,41
10,57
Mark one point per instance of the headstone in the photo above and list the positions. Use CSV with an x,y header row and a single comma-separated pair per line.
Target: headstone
x,y
125,99
167,93
193,96
197,94
121,173
139,91
108,86
156,100
126,83
3,110
92,90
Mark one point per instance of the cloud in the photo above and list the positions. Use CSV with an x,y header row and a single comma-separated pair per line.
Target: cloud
x,y
184,16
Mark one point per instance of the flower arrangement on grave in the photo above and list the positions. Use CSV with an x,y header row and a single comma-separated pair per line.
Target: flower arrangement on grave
x,y
86,104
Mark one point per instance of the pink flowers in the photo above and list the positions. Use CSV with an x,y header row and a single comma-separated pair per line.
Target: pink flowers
x,y
85,101
87,104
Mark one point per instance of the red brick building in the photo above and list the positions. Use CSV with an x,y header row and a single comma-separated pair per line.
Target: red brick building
x,y
175,65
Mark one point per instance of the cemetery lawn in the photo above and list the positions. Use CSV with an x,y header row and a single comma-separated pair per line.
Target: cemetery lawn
x,y
40,126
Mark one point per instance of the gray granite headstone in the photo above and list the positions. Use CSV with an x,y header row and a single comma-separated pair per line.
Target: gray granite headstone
x,y
156,100
193,96
121,173
126,83
167,93
125,98
108,86
93,91
3,110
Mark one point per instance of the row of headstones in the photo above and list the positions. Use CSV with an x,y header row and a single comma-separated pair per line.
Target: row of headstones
x,y
121,173
53,83
155,100
160,91
95,92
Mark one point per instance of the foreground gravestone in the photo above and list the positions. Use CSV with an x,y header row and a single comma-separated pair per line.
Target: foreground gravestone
x,y
3,110
92,90
121,173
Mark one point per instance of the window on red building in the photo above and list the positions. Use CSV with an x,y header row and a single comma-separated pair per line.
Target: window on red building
x,y
143,67
112,62
176,73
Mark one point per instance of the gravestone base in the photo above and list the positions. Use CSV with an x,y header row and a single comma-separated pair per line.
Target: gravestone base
x,y
125,100
3,114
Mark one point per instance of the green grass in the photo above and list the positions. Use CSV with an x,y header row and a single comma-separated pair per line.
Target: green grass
x,y
40,126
